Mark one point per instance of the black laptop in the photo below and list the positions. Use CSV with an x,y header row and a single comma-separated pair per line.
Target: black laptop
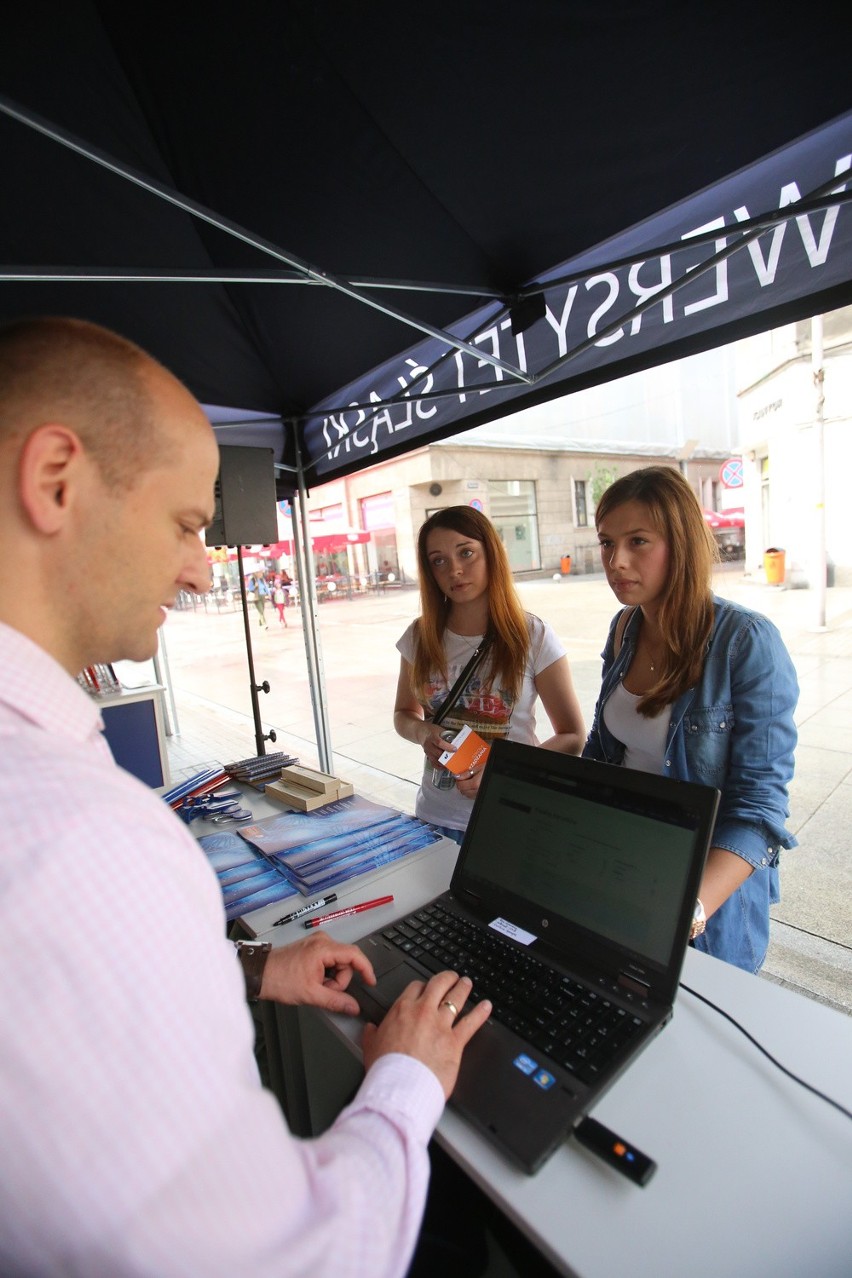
x,y
570,907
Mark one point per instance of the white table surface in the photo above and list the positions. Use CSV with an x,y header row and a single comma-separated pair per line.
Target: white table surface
x,y
754,1175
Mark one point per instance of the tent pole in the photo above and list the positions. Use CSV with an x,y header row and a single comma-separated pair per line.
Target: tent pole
x,y
163,675
820,560
310,628
259,738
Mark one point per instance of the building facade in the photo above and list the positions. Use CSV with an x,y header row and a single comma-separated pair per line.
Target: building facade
x,y
796,443
542,502
538,473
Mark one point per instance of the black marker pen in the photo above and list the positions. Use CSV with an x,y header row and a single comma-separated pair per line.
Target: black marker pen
x,y
306,909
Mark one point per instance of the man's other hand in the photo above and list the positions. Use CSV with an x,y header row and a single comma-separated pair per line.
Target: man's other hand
x,y
316,972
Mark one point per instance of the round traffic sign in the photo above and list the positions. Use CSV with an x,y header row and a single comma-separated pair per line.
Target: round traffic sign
x,y
731,473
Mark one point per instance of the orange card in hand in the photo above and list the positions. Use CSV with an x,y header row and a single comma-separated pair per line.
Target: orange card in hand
x,y
470,753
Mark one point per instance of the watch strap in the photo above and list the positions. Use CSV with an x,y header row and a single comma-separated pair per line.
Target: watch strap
x,y
253,956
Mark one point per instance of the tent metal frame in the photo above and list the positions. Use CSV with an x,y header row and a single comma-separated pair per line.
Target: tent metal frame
x,y
301,272
821,198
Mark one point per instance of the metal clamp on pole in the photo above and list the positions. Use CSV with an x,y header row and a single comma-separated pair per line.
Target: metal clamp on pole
x,y
264,687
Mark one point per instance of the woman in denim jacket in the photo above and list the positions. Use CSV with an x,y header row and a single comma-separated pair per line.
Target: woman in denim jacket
x,y
698,689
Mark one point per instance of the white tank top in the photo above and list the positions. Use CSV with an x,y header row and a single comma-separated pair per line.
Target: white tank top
x,y
644,739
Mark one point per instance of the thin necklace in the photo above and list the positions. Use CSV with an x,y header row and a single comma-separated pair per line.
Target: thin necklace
x,y
473,644
651,662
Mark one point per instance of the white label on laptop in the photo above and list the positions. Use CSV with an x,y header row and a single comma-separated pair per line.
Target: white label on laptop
x,y
516,933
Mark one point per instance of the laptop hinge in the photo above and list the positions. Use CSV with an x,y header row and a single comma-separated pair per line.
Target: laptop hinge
x,y
635,986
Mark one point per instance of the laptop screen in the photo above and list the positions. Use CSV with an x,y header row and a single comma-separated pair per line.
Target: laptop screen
x,y
577,841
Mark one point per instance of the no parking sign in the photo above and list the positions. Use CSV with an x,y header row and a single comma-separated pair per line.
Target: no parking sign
x,y
476,503
731,473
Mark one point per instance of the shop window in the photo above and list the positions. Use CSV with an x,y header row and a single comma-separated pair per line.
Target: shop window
x,y
512,507
581,511
377,516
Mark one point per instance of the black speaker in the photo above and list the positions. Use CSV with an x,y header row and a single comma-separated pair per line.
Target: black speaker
x,y
435,490
244,512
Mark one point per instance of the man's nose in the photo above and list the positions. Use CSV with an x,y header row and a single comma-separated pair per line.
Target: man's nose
x,y
199,573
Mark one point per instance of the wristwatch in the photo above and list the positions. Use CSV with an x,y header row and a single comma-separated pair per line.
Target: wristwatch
x,y
699,921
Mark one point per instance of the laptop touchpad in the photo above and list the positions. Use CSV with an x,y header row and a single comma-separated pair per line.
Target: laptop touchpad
x,y
374,1000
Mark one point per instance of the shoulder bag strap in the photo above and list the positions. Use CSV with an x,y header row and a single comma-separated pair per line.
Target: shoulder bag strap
x,y
620,627
462,681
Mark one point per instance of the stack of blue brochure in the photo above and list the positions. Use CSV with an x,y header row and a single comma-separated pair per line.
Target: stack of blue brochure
x,y
309,852
248,880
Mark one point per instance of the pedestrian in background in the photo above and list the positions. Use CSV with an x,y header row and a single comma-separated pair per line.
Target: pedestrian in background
x,y
258,594
279,598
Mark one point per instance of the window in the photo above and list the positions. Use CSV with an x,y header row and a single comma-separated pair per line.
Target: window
x,y
377,516
581,513
377,511
512,507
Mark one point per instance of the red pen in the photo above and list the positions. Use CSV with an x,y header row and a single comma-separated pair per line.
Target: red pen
x,y
352,909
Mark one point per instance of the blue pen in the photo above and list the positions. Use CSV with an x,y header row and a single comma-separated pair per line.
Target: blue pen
x,y
306,909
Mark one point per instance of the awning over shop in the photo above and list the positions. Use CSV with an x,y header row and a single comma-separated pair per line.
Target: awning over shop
x,y
324,540
328,541
734,517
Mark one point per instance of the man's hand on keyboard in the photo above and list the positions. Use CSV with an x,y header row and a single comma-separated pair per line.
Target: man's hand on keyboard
x,y
424,1022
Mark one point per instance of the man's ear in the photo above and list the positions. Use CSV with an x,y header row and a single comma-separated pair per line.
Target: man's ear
x,y
49,465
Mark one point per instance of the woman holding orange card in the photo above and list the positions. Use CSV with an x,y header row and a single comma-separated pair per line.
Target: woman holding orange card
x,y
474,658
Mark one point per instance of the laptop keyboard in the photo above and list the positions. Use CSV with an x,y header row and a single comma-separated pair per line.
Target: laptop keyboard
x,y
577,1027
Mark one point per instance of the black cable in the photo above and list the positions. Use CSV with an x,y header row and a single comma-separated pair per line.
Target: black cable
x,y
783,1068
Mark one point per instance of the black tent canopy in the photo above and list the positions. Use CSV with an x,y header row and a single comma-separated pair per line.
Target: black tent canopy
x,y
323,190
365,226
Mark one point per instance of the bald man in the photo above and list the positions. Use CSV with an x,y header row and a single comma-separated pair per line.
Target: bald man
x,y
128,1086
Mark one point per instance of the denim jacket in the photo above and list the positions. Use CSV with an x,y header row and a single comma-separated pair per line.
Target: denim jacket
x,y
734,730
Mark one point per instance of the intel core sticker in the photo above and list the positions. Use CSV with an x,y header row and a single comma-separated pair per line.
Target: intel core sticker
x,y
525,1063
516,933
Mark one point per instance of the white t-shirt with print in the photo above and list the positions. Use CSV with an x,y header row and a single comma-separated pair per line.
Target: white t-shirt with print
x,y
491,712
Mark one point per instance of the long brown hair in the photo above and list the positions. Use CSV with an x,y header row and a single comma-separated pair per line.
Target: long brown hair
x,y
686,608
507,620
